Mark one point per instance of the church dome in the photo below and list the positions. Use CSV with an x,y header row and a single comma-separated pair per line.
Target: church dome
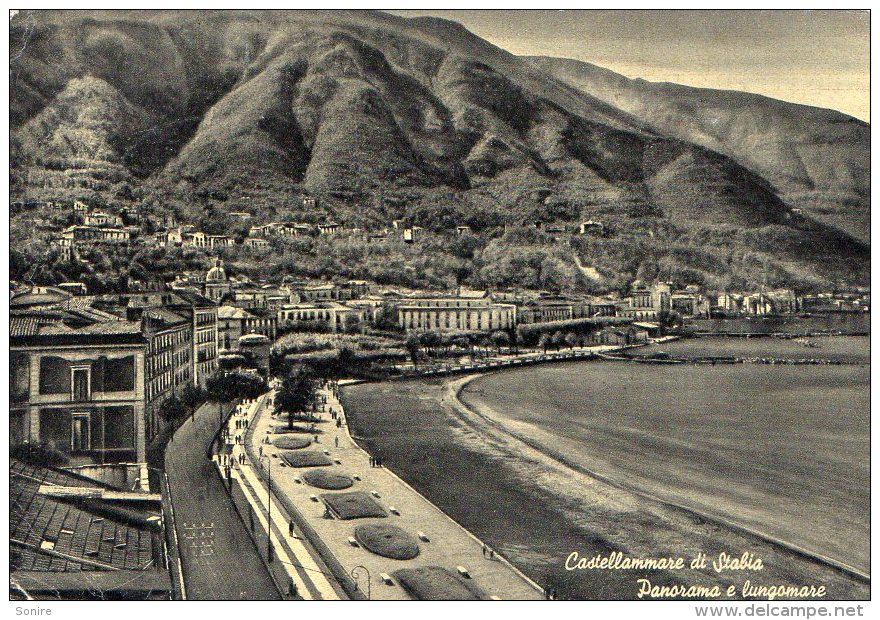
x,y
216,273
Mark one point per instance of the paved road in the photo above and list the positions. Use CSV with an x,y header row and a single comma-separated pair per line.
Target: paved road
x,y
219,559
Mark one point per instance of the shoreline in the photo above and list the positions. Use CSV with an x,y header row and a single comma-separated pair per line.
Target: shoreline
x,y
844,568
785,559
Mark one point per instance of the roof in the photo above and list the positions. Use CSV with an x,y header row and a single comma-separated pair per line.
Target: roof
x,y
107,328
39,295
53,535
165,315
55,322
196,299
646,325
473,294
23,326
231,312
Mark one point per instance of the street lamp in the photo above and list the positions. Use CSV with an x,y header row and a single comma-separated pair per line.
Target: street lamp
x,y
269,525
354,575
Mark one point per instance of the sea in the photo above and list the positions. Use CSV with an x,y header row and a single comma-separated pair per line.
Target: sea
x,y
780,450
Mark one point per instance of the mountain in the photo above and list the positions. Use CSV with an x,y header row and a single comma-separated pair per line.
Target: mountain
x,y
384,117
818,159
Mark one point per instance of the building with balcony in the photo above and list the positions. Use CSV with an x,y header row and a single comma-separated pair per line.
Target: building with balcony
x,y
77,384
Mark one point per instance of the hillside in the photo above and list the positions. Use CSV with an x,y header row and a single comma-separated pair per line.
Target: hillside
x,y
818,159
384,117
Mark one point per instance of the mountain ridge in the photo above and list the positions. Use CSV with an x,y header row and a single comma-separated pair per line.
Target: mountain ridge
x,y
384,117
814,156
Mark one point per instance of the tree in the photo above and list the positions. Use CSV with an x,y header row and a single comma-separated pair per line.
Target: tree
x,y
172,409
412,344
462,342
192,396
571,339
224,386
557,339
297,395
669,319
545,341
386,318
500,339
431,340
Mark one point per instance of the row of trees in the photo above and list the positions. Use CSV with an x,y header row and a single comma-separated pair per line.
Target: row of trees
x,y
435,344
221,387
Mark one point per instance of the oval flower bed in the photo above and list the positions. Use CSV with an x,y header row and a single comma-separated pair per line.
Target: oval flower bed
x,y
436,583
286,442
389,541
306,459
327,480
353,505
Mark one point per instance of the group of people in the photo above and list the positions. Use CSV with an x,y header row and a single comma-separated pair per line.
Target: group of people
x,y
375,461
226,460
242,423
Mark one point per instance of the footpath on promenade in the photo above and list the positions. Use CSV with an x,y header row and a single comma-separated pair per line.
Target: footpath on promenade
x,y
442,542
295,567
218,558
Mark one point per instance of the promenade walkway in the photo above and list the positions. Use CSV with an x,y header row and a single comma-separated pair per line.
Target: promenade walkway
x,y
294,561
444,543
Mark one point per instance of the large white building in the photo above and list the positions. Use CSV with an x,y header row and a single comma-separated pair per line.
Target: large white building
x,y
468,311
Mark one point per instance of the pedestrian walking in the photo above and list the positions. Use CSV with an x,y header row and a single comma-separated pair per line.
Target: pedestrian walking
x,y
261,451
371,462
483,550
290,529
316,439
292,589
336,441
339,423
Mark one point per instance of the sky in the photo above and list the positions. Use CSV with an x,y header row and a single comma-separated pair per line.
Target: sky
x,y
819,58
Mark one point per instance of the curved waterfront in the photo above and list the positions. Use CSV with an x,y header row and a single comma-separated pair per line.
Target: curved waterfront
x,y
782,450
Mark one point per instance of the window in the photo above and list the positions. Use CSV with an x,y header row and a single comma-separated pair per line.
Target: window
x,y
54,375
81,381
19,377
119,375
80,432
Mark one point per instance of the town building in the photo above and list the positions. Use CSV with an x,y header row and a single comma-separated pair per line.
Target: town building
x,y
202,313
77,383
256,243
648,302
170,237
591,227
728,303
168,363
198,239
94,234
231,325
771,302
329,228
552,308
467,311
336,316
100,218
